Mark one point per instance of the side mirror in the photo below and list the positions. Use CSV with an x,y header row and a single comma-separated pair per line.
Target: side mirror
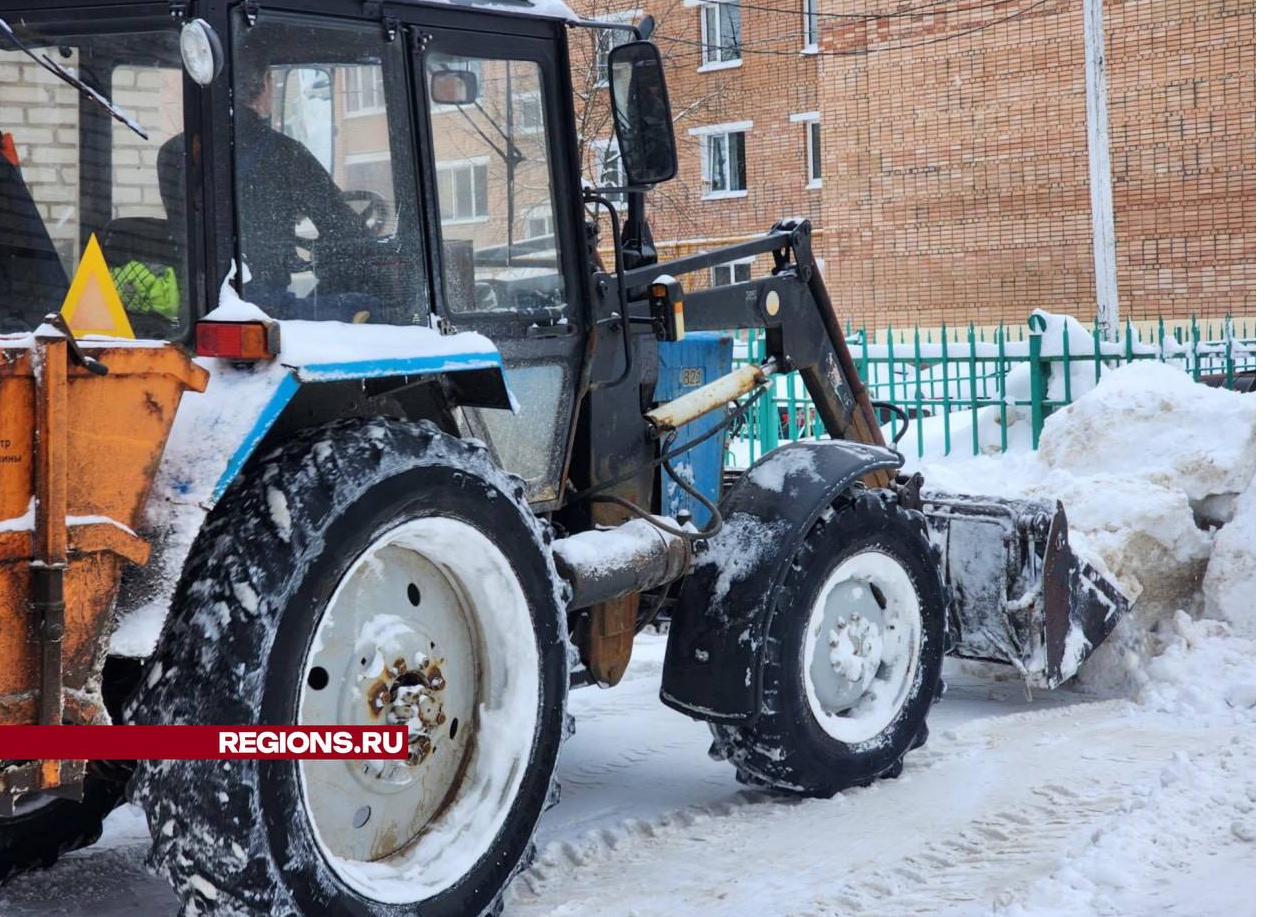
x,y
641,113
454,87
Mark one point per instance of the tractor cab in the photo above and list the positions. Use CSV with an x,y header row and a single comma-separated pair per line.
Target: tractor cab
x,y
361,163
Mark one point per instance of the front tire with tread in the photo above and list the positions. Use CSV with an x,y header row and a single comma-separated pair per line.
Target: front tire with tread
x,y
784,748
233,837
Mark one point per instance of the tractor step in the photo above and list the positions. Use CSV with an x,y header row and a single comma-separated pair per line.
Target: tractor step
x,y
1019,593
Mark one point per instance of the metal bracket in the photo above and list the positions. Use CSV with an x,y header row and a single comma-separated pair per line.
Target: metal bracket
x,y
420,39
373,9
178,9
251,9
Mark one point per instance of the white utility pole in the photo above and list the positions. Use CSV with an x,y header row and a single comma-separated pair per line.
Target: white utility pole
x,y
1103,238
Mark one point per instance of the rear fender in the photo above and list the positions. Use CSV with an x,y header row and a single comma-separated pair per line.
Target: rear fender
x,y
248,408
714,663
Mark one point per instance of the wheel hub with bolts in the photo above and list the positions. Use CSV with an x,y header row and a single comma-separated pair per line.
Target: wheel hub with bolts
x,y
861,646
396,647
855,648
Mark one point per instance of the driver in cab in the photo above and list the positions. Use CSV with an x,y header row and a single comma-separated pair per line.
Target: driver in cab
x,y
280,182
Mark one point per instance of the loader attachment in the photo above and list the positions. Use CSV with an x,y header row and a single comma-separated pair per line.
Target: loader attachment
x,y
1019,593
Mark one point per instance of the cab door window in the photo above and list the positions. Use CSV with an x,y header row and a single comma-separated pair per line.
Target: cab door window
x,y
327,200
69,171
493,181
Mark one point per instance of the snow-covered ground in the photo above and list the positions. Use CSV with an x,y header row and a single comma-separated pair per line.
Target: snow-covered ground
x,y
1130,792
1069,804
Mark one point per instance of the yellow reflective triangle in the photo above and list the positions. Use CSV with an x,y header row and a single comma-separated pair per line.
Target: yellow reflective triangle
x,y
92,304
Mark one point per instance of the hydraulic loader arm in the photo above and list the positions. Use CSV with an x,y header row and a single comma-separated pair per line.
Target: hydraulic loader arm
x,y
791,303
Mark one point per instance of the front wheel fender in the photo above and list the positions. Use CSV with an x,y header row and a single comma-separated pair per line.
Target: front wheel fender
x,y
715,658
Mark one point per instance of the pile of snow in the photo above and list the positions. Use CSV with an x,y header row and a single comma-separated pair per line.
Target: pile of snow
x,y
1156,474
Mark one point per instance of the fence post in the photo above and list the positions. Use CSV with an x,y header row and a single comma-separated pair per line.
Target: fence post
x,y
1095,340
1229,364
892,388
972,386
1037,374
1196,350
945,389
1064,351
919,401
1002,389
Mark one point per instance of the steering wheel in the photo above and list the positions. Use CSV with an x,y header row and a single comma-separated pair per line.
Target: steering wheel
x,y
374,209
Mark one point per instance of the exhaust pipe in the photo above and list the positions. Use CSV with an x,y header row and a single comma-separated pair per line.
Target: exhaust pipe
x,y
606,564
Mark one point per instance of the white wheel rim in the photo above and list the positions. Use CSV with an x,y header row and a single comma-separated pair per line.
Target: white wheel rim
x,y
436,612
861,653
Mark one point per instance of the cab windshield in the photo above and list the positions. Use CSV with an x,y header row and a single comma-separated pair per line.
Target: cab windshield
x,y
69,171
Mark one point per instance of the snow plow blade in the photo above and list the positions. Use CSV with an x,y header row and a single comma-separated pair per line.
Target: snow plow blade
x,y
1018,592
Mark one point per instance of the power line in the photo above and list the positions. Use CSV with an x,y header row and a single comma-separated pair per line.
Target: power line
x,y
914,12
918,44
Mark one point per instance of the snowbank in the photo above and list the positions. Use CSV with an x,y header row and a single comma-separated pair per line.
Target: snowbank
x,y
1148,465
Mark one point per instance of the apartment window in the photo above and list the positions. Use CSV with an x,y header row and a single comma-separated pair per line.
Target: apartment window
x,y
539,221
463,190
528,118
606,39
363,90
609,168
723,165
735,272
727,171
811,25
719,33
813,148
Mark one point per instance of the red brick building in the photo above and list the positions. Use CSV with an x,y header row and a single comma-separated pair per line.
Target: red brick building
x,y
954,154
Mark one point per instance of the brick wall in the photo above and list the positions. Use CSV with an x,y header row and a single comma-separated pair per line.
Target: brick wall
x,y
955,168
1181,81
43,115
962,172
766,89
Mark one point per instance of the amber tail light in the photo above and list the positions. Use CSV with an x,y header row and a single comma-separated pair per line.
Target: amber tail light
x,y
237,340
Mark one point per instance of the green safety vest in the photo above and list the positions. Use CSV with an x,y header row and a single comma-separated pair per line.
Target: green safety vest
x,y
143,290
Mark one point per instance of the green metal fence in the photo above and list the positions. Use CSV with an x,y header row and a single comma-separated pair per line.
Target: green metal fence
x,y
944,379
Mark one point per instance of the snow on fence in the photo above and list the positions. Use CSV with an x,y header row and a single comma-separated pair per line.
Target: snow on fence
x,y
982,389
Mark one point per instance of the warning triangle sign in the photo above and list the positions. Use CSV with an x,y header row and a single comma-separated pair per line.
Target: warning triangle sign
x,y
92,304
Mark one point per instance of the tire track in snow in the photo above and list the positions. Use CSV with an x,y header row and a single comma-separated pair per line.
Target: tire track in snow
x,y
989,810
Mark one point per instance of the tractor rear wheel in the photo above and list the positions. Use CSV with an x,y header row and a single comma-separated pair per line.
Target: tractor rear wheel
x,y
372,573
853,654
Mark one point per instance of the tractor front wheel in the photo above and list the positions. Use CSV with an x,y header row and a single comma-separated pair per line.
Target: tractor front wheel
x,y
853,654
373,573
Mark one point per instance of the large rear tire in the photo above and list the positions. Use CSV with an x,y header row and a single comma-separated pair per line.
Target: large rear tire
x,y
853,654
372,572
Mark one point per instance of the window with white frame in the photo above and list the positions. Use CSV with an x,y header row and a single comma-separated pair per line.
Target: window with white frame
x,y
363,90
735,272
813,148
811,25
463,190
606,39
609,168
538,222
528,117
719,34
727,169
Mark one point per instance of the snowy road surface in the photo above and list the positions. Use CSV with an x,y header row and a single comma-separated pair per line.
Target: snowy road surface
x,y
1064,805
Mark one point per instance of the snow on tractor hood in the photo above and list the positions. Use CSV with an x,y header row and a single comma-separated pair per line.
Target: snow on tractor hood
x,y
215,433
